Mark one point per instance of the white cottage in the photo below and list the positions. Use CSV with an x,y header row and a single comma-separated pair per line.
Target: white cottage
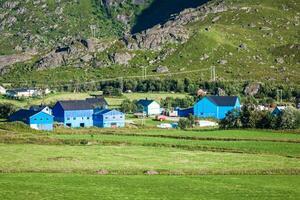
x,y
150,107
2,90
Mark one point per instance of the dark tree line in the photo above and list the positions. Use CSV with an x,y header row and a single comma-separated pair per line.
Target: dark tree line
x,y
249,117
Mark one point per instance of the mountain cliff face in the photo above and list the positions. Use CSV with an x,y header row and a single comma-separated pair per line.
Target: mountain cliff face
x,y
94,39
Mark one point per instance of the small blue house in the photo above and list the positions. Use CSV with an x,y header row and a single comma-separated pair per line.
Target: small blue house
x,y
38,120
216,106
278,110
150,107
109,119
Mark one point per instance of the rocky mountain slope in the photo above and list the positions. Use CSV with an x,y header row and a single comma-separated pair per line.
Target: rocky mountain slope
x,y
61,40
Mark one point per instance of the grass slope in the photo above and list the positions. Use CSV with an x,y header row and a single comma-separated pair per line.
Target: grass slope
x,y
269,30
76,186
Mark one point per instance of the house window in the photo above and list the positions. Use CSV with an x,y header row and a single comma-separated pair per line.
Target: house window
x,y
88,118
35,119
106,117
68,118
114,117
74,118
121,117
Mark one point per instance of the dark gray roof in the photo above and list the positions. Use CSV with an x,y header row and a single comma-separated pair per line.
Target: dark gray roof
x,y
97,101
88,104
76,105
145,102
223,100
37,107
22,115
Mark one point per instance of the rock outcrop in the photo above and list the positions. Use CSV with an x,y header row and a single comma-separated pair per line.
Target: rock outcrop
x,y
121,58
173,31
252,89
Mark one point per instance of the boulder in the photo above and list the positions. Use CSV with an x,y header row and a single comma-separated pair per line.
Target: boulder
x,y
279,60
102,172
86,58
151,172
162,69
252,89
121,58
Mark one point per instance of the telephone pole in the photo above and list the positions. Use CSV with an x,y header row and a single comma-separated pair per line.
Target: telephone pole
x,y
213,73
144,69
93,30
279,95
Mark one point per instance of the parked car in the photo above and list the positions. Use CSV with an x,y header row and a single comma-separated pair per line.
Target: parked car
x,y
165,126
161,118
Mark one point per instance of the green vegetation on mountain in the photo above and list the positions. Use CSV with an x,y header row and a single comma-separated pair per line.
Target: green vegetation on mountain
x,y
244,40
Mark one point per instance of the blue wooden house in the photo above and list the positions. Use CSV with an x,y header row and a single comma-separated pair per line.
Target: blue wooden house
x,y
38,120
185,112
216,106
150,107
109,119
74,113
278,110
78,113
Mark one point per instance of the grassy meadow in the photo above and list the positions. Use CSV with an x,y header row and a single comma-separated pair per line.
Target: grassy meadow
x,y
112,101
143,162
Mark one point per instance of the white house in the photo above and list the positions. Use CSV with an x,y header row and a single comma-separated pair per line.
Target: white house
x,y
18,93
2,90
150,107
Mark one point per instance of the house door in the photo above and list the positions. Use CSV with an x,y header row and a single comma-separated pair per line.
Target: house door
x,y
113,125
82,125
69,125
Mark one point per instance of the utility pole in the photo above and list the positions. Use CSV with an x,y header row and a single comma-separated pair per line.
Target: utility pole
x,y
279,95
213,73
144,72
121,84
93,30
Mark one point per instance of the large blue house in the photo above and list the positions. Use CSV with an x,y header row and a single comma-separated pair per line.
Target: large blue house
x,y
109,119
78,113
38,120
216,106
74,114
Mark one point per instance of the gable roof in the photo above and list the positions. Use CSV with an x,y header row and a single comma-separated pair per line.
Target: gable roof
x,y
76,105
145,102
87,104
23,115
38,107
97,101
223,100
105,111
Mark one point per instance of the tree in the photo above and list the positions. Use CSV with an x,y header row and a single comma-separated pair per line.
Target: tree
x,y
248,116
6,110
288,118
128,106
232,120
188,122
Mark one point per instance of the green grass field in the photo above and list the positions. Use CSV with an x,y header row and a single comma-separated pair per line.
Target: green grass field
x,y
77,186
112,101
192,164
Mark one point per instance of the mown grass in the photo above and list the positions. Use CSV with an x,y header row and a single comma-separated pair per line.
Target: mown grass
x,y
137,159
277,148
77,186
112,101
